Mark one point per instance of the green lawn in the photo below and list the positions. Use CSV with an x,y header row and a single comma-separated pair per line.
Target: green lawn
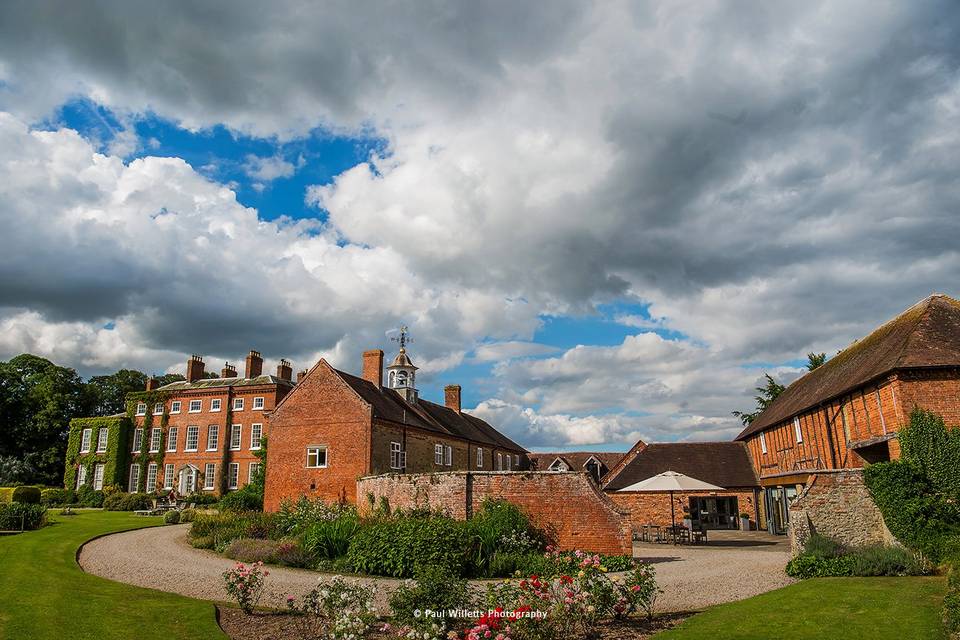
x,y
44,593
848,608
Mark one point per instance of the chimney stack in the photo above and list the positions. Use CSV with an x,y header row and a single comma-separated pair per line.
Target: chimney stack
x,y
373,366
228,371
194,368
152,384
254,365
451,397
301,375
284,370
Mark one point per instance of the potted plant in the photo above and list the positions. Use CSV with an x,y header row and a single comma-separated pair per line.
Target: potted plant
x,y
745,521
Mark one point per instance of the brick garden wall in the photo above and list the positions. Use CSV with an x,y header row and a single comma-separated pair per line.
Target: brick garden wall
x,y
654,508
838,505
566,505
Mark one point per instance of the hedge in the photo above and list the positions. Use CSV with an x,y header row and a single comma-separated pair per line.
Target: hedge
x,y
396,546
24,495
13,514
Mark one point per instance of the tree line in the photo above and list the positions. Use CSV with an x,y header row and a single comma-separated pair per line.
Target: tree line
x,y
37,401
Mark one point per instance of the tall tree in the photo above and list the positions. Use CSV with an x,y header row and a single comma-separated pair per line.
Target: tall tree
x,y
814,360
765,395
37,401
107,394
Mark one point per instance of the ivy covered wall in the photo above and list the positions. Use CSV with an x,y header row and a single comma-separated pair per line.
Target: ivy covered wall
x,y
114,459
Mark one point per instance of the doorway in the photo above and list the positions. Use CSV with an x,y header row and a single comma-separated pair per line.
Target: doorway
x,y
778,501
188,480
714,512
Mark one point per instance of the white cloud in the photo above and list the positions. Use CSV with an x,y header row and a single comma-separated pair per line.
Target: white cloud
x,y
269,168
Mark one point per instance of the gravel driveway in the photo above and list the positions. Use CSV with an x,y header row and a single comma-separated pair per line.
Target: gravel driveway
x,y
162,558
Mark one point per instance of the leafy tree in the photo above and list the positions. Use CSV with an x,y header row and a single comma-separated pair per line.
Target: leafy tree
x,y
814,360
107,394
37,401
167,378
765,395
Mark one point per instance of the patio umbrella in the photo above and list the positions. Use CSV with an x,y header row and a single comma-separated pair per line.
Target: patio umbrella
x,y
671,481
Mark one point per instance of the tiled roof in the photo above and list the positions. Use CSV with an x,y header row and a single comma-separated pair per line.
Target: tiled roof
x,y
389,405
725,464
925,335
210,383
575,459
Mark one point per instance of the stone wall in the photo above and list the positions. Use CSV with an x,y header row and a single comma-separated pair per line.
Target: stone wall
x,y
837,504
568,506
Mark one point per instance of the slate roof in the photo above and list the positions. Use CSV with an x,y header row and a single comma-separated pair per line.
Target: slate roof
x,y
925,335
725,464
575,459
389,405
210,383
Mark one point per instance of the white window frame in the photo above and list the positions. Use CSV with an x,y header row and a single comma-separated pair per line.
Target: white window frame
x,y
98,476
81,476
499,462
508,463
137,440
215,405
141,408
313,451
250,470
233,479
151,482
797,430
172,434
209,476
438,453
103,439
193,431
479,457
159,406
398,457
516,461
168,476
85,439
256,428
236,437
195,403
238,404
156,439
448,455
133,479
763,443
213,430
175,406
256,401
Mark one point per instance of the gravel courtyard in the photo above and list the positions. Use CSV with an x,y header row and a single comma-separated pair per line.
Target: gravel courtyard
x,y
161,558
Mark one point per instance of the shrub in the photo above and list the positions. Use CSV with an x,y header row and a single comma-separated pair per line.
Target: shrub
x,y
223,528
260,525
88,497
294,517
394,546
438,588
291,554
23,495
807,566
127,502
202,542
335,610
618,562
879,560
58,496
172,517
820,546
245,499
329,539
499,526
15,514
245,585
252,550
201,499
187,515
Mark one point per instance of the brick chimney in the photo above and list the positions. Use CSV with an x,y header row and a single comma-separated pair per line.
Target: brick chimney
x,y
152,384
284,370
228,371
194,368
254,365
301,375
373,366
451,397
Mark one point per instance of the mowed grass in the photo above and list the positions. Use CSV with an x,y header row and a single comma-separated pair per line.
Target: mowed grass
x,y
45,594
848,608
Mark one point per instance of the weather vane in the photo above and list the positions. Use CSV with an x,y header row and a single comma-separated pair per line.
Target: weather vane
x,y
404,337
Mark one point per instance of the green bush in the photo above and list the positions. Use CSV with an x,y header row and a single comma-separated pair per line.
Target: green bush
x,y
58,496
127,502
246,499
395,546
820,546
201,499
499,526
879,560
202,542
88,497
294,517
172,517
225,527
23,495
807,566
187,515
329,539
15,514
437,588
252,550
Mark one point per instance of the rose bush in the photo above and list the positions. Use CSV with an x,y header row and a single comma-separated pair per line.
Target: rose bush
x,y
245,584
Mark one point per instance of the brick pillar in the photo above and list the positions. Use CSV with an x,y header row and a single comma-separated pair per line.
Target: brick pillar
x,y
373,366
152,383
284,370
254,366
228,371
451,396
301,375
194,368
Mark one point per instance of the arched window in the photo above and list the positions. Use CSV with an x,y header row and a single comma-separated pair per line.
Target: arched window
x,y
392,374
401,378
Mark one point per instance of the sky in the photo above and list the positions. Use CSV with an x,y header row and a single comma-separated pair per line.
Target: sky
x,y
604,220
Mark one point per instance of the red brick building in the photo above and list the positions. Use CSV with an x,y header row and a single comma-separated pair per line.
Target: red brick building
x,y
597,464
202,434
334,428
847,412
